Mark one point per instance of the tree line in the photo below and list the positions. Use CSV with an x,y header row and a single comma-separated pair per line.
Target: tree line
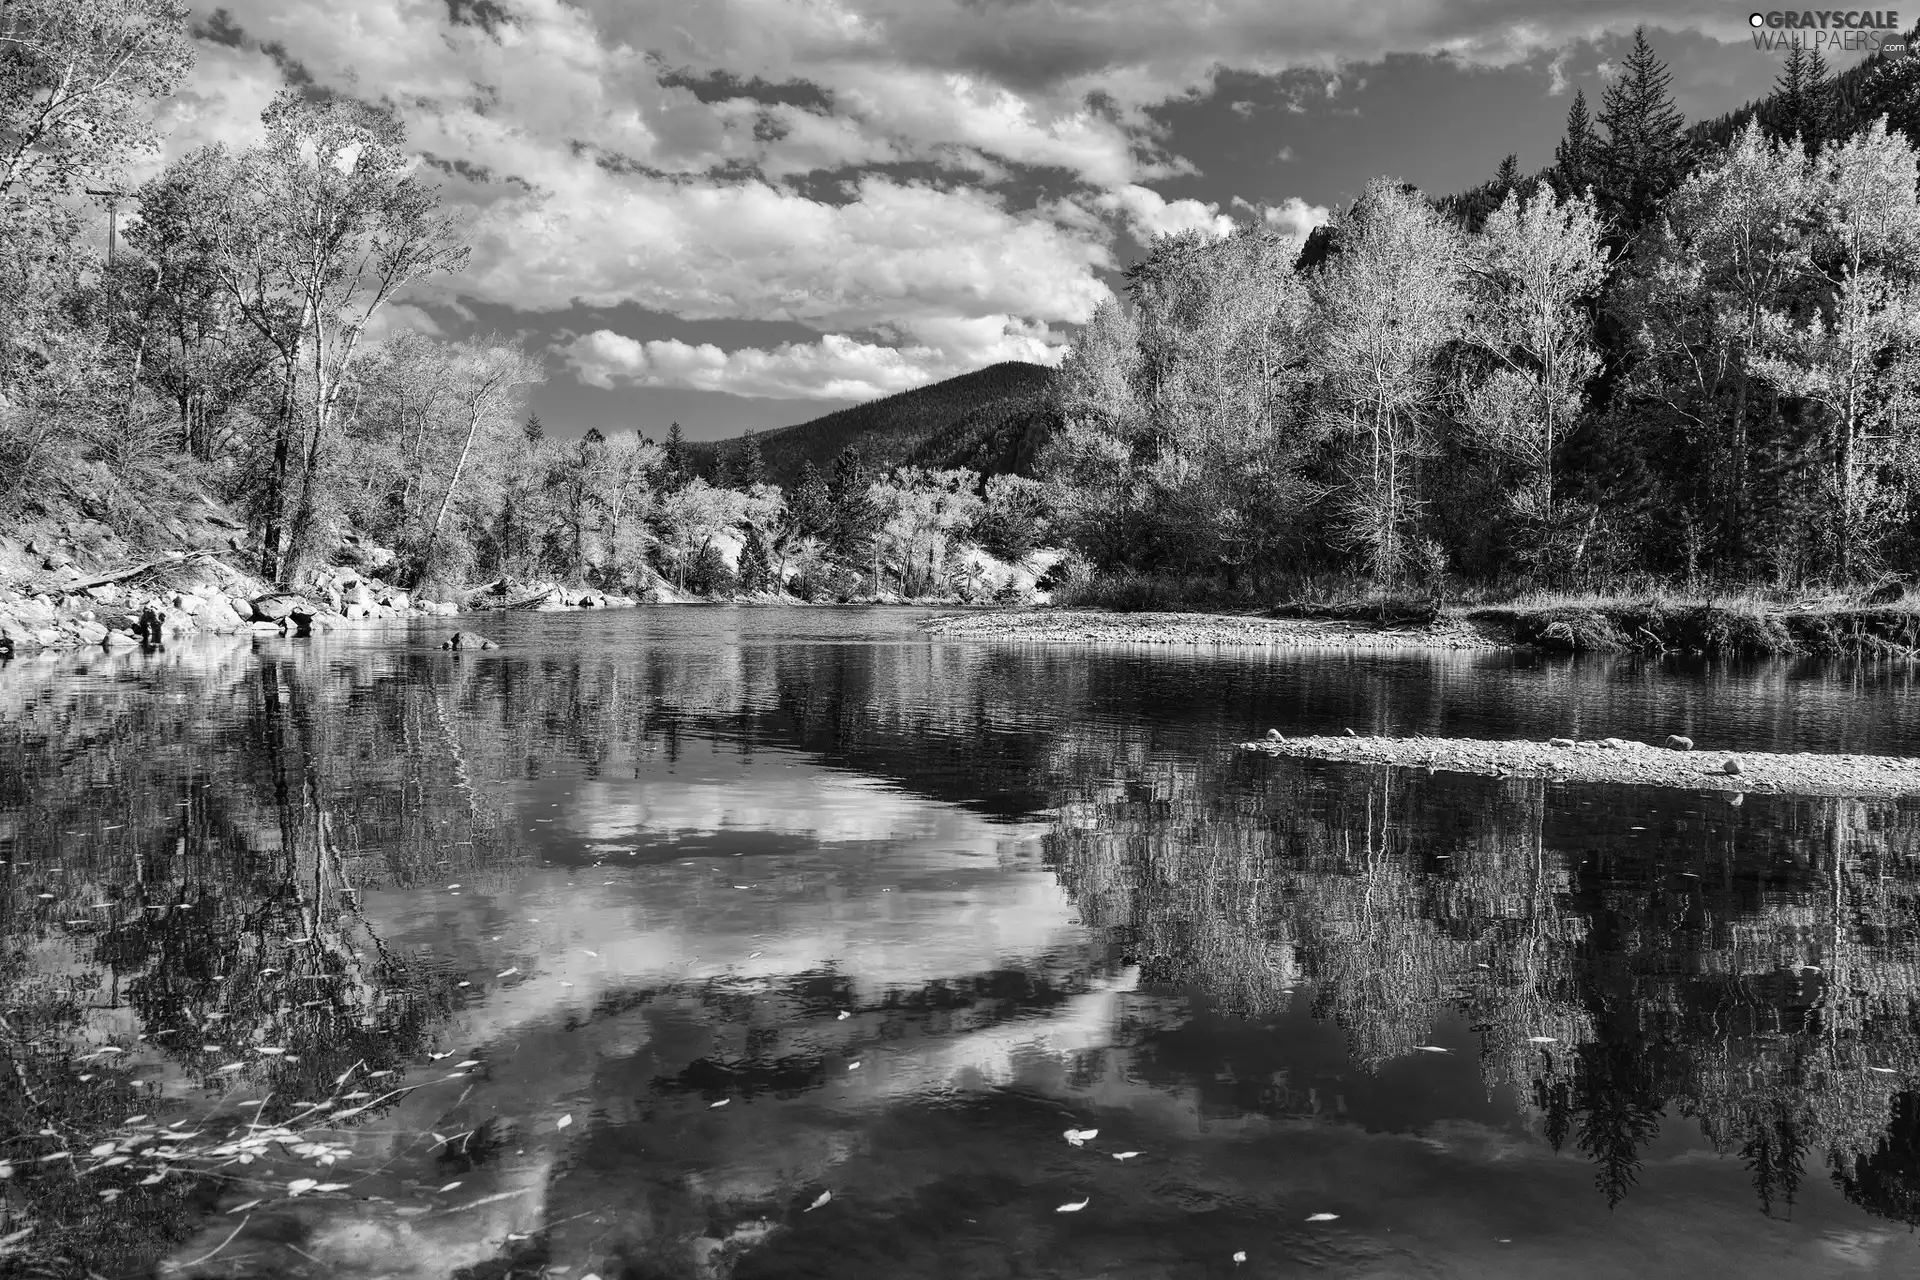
x,y
240,343
1661,357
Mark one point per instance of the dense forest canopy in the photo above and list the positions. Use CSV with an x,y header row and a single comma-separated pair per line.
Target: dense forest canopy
x,y
1678,353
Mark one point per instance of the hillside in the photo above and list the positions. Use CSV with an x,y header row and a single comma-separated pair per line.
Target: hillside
x,y
993,420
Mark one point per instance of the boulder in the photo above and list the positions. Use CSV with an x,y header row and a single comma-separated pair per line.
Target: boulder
x,y
218,614
1732,766
308,619
356,596
468,640
1678,743
1560,742
275,607
90,633
118,638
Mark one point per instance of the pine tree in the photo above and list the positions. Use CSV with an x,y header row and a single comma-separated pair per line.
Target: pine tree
x,y
1506,180
1801,106
809,510
1574,160
851,518
756,562
724,472
595,436
752,466
534,430
676,459
1645,154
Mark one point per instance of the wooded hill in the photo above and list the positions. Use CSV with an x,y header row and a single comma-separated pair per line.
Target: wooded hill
x,y
992,420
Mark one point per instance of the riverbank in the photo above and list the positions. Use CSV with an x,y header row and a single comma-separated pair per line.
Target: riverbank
x,y
1620,761
1091,626
1745,628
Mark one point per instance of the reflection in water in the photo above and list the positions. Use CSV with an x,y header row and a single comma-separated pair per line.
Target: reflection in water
x,y
615,949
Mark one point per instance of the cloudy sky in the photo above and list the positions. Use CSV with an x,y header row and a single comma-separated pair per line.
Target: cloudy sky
x,y
744,213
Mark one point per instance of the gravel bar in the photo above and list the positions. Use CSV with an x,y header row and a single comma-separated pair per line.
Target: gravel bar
x,y
1092,626
1616,760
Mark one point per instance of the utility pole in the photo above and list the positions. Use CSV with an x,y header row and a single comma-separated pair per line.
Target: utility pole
x,y
113,199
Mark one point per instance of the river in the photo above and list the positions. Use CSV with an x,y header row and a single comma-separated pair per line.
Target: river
x,y
737,942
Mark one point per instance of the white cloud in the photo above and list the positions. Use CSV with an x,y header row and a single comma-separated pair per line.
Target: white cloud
x,y
1283,154
1148,214
617,194
836,367
1295,218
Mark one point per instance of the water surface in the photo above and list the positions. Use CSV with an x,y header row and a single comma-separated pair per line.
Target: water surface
x,y
701,942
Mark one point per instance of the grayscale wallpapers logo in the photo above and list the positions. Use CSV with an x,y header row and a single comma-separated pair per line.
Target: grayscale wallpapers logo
x,y
1826,31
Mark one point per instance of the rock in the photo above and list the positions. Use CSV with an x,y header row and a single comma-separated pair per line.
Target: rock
x,y
468,640
356,596
90,633
1352,734
1678,743
1732,766
218,614
307,619
1273,735
274,608
267,628
118,639
396,600
1561,742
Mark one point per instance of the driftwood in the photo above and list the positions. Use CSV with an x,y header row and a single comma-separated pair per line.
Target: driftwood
x,y
121,575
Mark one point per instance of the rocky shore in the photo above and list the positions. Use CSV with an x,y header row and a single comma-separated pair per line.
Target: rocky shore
x,y
1092,626
180,594
1620,760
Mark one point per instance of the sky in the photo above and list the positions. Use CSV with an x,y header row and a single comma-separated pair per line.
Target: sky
x,y
741,214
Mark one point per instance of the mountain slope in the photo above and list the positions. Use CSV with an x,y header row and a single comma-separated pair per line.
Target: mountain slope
x,y
993,419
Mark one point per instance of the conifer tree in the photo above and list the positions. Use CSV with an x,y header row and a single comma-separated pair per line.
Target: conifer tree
x,y
534,431
1801,106
1575,160
756,562
1645,153
676,460
724,473
851,518
750,463
808,511
1506,179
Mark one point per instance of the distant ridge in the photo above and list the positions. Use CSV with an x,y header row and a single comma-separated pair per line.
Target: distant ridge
x,y
992,420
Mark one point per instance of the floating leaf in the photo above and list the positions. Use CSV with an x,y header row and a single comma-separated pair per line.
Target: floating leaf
x,y
1125,1155
1079,1137
819,1200
843,1016
242,1208
299,1185
508,972
563,1122
854,1065
1543,1039
450,1186
1076,1207
233,1066
435,1057
105,1148
1431,1048
1885,1071
1321,1217
330,1186
594,954
470,1062
1240,1256
723,1102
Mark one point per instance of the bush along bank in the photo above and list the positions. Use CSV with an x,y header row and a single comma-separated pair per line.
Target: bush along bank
x,y
1739,630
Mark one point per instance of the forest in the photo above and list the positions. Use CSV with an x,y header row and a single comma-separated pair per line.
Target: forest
x,y
1675,355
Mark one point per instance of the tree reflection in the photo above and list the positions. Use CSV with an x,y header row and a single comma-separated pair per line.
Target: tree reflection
x,y
179,915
